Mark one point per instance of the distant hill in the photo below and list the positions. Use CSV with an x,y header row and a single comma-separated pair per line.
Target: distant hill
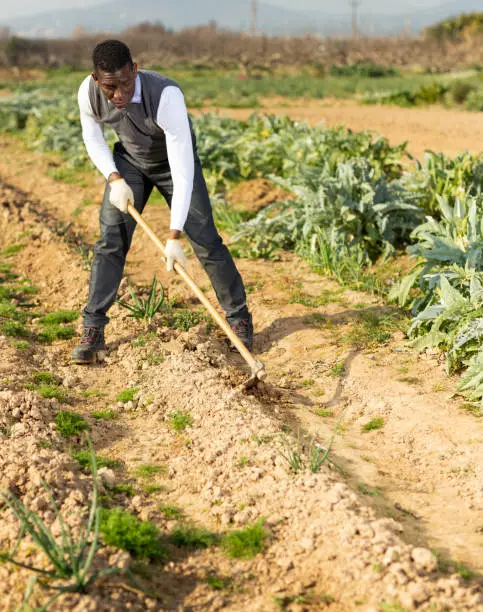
x,y
231,14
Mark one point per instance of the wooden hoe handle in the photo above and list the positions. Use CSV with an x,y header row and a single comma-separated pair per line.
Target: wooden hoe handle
x,y
257,367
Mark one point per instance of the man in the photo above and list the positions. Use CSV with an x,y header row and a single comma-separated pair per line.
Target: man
x,y
156,148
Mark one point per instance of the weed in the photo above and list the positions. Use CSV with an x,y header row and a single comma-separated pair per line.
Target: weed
x,y
11,249
127,395
366,491
337,369
180,420
14,329
377,423
294,457
411,380
44,378
148,470
371,331
394,606
473,408
45,444
242,462
49,390
93,393
105,415
83,457
218,583
322,412
307,383
170,512
59,316
150,489
53,331
123,488
377,567
84,204
245,543
70,423
124,530
183,319
71,560
154,358
145,309
190,536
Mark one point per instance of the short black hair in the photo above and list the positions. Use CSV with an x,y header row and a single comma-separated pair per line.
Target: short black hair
x,y
111,56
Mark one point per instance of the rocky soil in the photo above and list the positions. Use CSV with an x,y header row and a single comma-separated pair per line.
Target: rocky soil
x,y
368,531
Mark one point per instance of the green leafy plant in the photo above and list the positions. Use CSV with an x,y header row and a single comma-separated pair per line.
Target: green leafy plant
x,y
373,424
191,536
245,543
70,424
127,395
124,530
141,308
180,420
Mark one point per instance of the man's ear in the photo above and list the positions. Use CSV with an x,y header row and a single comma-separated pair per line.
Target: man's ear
x,y
135,69
94,76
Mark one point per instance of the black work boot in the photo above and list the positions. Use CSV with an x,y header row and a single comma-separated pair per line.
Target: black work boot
x,y
91,347
243,328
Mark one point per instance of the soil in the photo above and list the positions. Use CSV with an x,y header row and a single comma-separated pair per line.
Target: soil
x,y
434,128
362,531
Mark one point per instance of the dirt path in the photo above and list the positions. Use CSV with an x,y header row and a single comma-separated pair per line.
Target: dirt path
x,y
423,468
435,128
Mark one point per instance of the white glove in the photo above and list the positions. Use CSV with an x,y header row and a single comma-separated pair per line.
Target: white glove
x,y
174,252
120,194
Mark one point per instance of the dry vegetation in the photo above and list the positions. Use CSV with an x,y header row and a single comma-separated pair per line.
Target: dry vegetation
x,y
209,46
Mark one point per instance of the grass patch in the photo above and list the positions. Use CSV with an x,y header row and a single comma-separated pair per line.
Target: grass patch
x,y
183,319
124,489
170,512
14,329
366,491
148,470
93,393
371,331
337,369
190,536
218,583
44,378
105,415
322,412
54,331
127,395
124,530
83,457
377,423
11,249
59,316
21,345
180,420
151,489
47,386
84,204
245,543
70,423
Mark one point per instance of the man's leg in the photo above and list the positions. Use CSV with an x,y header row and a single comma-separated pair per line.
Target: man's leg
x,y
116,231
212,253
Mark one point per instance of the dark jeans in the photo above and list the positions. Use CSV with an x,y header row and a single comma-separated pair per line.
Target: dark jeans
x,y
117,231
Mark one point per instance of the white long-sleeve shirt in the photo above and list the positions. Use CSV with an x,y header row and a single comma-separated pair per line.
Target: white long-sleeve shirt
x,y
172,118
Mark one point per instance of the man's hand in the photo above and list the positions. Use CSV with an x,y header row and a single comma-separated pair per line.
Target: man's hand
x,y
120,194
174,252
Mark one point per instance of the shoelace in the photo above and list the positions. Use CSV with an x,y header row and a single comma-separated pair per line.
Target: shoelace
x,y
241,327
89,335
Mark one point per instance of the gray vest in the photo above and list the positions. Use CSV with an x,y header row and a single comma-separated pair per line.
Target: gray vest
x,y
135,125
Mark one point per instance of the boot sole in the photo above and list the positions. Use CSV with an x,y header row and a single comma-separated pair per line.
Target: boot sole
x,y
98,357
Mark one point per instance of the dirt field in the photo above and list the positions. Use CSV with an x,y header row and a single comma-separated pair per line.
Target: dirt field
x,y
435,128
358,534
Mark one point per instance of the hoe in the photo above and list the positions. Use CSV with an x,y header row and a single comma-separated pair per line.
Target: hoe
x,y
257,369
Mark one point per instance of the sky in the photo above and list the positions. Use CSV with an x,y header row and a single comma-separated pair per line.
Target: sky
x,y
16,8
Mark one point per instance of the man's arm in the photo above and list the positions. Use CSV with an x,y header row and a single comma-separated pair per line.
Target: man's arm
x,y
172,117
93,136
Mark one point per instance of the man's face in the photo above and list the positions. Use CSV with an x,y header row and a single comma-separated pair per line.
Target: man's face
x,y
118,87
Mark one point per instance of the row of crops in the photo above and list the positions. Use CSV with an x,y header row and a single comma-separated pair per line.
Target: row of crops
x,y
355,201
